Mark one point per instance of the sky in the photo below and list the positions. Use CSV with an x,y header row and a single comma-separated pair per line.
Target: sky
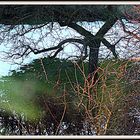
x,y
5,67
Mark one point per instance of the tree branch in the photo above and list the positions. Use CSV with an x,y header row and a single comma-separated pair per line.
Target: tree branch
x,y
55,54
58,47
105,28
32,28
110,47
86,33
135,35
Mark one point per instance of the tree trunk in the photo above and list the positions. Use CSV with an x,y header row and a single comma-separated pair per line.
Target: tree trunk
x,y
93,59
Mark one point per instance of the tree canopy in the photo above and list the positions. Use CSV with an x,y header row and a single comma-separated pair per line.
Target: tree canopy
x,y
40,14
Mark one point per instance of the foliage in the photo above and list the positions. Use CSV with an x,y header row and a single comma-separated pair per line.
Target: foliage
x,y
39,90
56,97
125,117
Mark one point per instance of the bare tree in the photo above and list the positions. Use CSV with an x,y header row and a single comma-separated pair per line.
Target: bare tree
x,y
21,25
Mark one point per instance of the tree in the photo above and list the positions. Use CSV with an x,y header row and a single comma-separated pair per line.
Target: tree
x,y
45,16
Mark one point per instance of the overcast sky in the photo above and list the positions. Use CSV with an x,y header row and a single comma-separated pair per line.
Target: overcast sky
x,y
6,67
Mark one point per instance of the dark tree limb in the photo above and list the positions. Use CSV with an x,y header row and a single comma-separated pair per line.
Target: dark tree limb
x,y
105,28
95,45
110,47
86,33
58,48
55,54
